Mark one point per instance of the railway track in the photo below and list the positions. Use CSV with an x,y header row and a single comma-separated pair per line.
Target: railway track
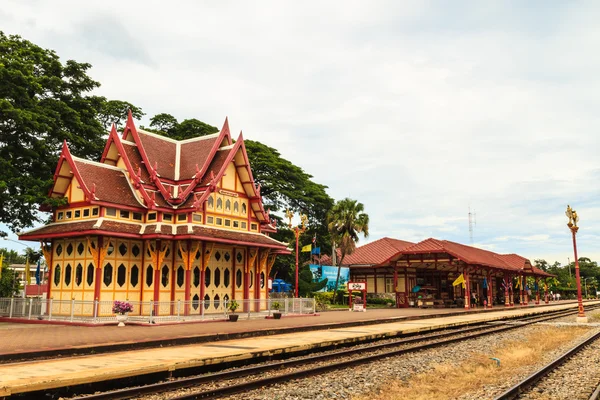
x,y
575,375
302,367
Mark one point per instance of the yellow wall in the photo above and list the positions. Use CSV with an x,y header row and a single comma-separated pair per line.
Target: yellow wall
x,y
74,191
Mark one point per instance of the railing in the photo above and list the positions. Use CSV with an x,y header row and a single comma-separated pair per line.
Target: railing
x,y
148,311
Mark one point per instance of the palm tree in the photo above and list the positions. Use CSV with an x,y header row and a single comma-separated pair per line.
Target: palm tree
x,y
345,222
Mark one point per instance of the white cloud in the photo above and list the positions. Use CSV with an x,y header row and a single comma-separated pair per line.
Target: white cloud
x,y
418,110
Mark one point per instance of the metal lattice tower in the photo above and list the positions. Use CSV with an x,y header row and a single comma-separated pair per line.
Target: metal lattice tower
x,y
472,224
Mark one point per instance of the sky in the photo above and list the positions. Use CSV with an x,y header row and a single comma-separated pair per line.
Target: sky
x,y
421,110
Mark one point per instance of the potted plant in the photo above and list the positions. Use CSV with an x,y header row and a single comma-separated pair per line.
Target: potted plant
x,y
275,307
233,305
121,308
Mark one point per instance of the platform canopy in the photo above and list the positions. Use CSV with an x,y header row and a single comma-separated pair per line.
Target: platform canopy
x,y
444,255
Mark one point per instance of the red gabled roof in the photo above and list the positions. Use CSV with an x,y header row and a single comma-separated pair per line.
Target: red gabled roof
x,y
215,165
133,154
107,183
161,152
194,153
374,253
471,255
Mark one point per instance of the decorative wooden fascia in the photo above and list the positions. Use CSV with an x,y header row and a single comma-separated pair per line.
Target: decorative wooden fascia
x,y
98,255
157,255
188,254
47,252
257,187
263,259
207,255
66,156
224,134
270,263
253,253
130,128
212,185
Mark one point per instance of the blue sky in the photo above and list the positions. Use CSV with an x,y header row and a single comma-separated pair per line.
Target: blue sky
x,y
417,109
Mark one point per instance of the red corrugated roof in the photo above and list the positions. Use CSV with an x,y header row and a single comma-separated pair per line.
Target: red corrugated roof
x,y
374,253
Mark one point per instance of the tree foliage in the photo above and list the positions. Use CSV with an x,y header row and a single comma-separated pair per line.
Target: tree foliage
x,y
167,125
565,280
284,185
43,102
346,221
115,112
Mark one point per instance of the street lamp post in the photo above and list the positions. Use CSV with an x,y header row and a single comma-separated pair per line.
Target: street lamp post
x,y
297,232
572,224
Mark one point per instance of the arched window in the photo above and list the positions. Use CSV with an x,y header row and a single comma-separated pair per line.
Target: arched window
x,y
219,204
56,275
236,207
211,202
244,209
165,276
228,205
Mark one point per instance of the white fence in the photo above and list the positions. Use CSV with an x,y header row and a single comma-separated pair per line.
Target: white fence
x,y
147,311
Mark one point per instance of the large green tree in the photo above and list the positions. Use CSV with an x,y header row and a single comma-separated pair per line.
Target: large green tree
x,y
167,125
346,221
115,112
43,102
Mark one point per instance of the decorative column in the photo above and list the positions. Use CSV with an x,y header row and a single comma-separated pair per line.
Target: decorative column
x,y
506,294
526,290
467,289
47,251
396,285
546,300
489,289
537,290
512,292
573,220
520,278
98,254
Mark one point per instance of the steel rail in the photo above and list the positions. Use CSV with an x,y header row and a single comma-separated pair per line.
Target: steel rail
x,y
596,394
532,379
471,332
282,378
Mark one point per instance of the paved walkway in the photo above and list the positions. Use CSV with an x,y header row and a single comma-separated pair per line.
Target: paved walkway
x,y
49,374
26,338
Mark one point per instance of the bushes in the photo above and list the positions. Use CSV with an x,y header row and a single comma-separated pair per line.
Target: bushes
x,y
379,300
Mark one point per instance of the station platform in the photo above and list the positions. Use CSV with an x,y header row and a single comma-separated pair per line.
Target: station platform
x,y
49,374
47,340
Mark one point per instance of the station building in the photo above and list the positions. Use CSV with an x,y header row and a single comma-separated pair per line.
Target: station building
x,y
161,220
422,274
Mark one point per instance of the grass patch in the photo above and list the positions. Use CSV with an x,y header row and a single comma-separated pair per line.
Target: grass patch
x,y
449,381
594,316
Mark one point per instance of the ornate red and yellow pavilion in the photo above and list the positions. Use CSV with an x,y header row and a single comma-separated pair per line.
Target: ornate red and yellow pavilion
x,y
160,220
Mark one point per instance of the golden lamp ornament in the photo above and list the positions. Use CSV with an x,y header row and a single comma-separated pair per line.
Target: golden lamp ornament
x,y
573,218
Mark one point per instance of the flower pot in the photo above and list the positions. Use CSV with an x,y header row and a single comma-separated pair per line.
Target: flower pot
x,y
277,315
233,317
122,318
